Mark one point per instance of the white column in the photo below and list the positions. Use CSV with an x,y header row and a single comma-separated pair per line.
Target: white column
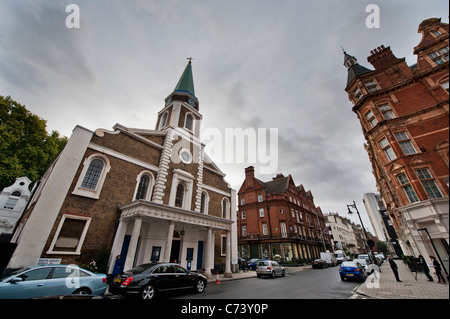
x,y
228,256
209,255
168,248
133,243
117,245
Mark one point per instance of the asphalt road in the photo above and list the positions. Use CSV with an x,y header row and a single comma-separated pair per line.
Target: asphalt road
x,y
306,284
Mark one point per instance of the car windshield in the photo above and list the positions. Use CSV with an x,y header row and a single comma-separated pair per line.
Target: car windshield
x,y
139,269
263,263
14,273
348,264
361,261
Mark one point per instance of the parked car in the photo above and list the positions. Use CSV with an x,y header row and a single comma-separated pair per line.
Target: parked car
x,y
253,263
352,270
319,264
147,280
364,262
40,281
329,257
269,268
377,260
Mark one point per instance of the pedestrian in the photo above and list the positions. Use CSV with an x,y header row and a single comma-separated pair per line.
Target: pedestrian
x,y
394,268
437,269
424,268
117,266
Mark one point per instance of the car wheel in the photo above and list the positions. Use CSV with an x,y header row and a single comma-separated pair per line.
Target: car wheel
x,y
82,291
199,286
283,273
148,292
273,274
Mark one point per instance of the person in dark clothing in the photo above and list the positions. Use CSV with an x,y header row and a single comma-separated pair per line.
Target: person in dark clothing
x,y
394,268
117,266
437,269
424,268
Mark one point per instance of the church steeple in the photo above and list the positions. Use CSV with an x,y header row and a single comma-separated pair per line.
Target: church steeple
x,y
186,82
181,109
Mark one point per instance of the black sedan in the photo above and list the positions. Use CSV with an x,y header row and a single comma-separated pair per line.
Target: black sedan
x,y
319,264
145,281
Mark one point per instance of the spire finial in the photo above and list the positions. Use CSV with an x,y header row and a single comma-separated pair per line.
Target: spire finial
x,y
342,49
190,59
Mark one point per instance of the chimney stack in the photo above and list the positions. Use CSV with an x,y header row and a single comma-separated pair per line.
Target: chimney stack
x,y
249,176
382,58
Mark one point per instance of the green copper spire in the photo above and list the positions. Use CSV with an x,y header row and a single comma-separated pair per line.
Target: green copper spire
x,y
186,82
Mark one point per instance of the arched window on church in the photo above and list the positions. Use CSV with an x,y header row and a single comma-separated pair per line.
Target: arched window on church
x,y
179,197
225,208
163,120
189,122
143,187
93,174
204,203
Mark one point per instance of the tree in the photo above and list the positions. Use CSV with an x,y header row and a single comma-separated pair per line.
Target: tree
x,y
26,149
382,247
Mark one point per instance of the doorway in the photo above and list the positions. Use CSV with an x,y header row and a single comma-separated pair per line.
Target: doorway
x,y
175,251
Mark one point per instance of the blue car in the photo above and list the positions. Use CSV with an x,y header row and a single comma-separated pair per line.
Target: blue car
x,y
352,270
40,281
254,262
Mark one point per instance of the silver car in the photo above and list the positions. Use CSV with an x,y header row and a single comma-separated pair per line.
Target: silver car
x,y
269,268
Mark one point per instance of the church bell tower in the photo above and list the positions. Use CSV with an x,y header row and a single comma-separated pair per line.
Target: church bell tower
x,y
181,109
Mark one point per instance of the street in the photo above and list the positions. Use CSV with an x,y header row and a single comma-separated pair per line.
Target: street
x,y
305,284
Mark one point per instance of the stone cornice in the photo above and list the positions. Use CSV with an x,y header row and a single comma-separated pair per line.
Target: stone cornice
x,y
141,208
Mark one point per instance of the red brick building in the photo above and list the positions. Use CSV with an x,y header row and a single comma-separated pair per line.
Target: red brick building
x,y
278,219
404,117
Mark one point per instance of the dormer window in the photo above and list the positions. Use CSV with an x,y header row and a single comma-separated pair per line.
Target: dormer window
x,y
371,119
357,94
439,57
371,86
445,85
385,109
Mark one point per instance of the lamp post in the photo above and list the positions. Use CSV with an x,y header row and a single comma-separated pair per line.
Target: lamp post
x,y
368,243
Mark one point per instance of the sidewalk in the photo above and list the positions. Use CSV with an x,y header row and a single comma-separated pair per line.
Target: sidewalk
x,y
385,286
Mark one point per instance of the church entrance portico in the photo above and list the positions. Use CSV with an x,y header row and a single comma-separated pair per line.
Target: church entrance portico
x,y
165,234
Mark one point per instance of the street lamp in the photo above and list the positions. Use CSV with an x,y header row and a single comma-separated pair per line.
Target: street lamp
x,y
369,242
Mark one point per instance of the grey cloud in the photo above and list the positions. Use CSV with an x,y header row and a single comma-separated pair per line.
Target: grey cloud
x,y
39,49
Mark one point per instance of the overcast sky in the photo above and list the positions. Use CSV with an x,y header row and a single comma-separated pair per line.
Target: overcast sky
x,y
257,64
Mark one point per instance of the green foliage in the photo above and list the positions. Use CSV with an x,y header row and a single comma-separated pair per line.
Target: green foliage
x,y
381,246
26,149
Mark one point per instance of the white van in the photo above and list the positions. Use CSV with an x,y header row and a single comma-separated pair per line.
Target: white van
x,y
340,256
329,257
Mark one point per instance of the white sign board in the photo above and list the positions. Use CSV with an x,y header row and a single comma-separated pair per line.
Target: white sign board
x,y
48,261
